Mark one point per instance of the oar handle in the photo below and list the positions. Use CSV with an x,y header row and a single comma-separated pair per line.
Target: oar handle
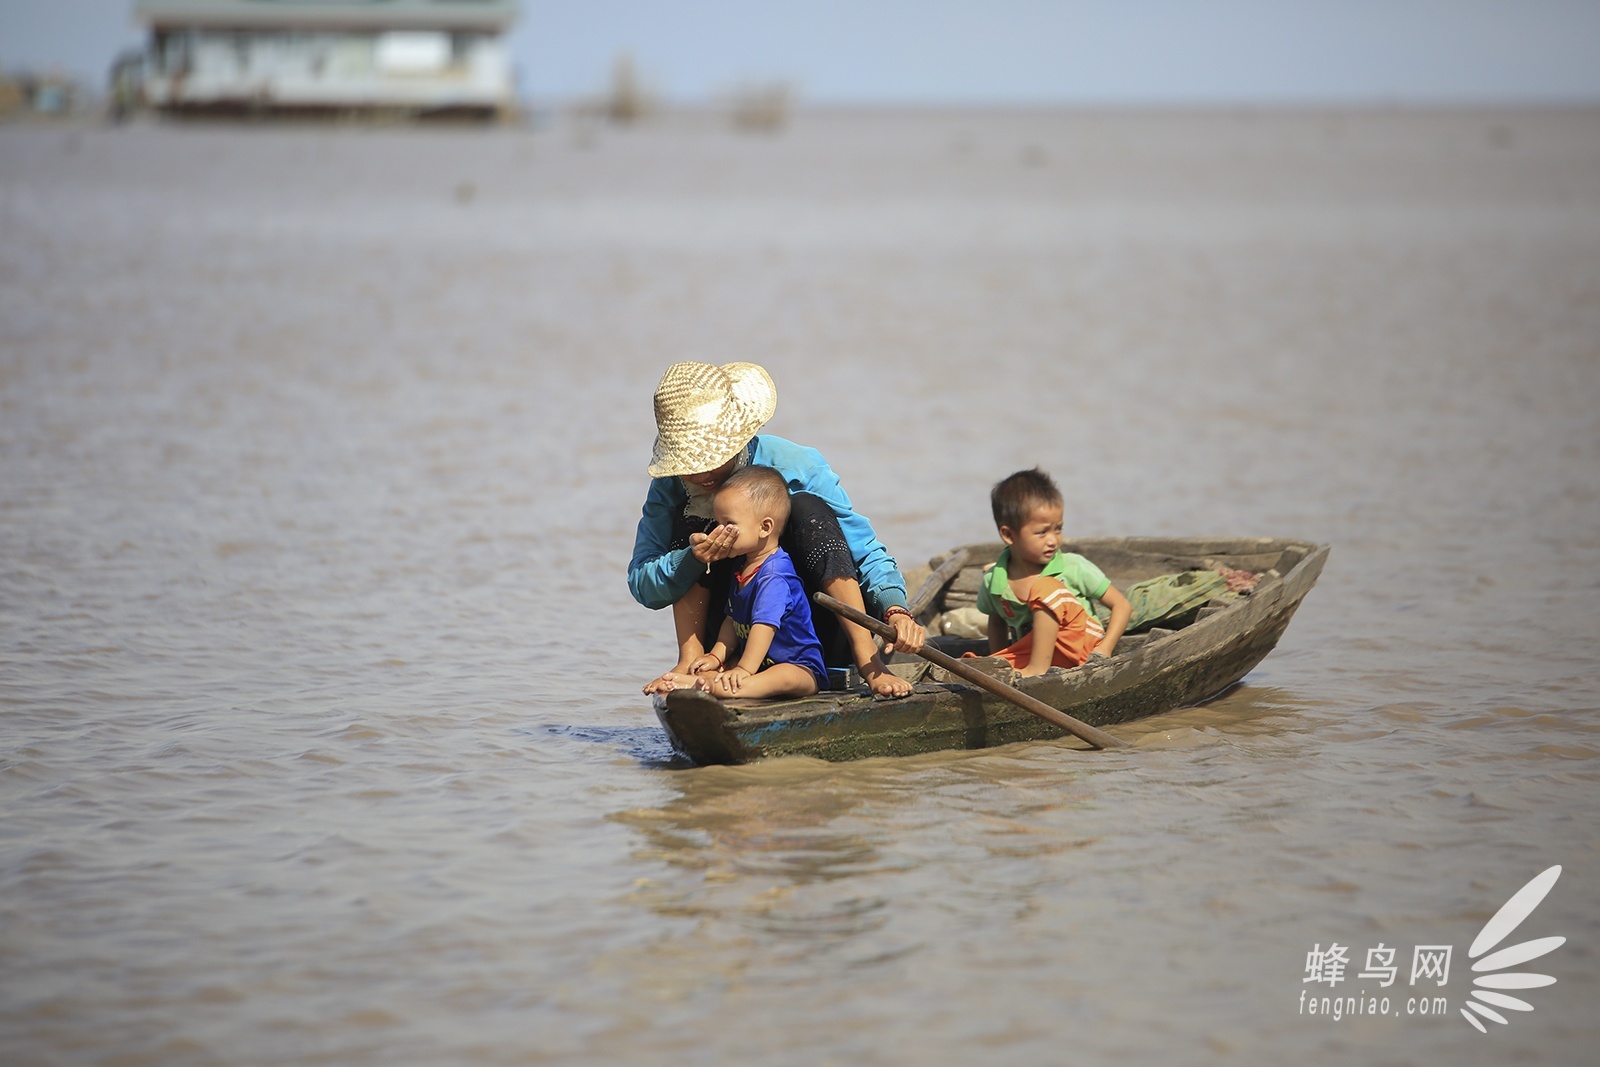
x,y
1096,737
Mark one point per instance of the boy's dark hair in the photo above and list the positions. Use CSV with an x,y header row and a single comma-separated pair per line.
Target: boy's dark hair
x,y
764,487
1013,497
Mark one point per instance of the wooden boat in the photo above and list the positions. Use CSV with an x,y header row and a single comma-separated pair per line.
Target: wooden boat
x,y
1182,662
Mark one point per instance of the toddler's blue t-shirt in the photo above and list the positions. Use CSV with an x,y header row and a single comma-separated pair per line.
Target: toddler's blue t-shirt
x,y
774,596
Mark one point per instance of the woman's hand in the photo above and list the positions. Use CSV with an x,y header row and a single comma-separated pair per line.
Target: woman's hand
x,y
909,637
716,545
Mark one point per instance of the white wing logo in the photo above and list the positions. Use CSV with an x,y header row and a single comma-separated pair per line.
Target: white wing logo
x,y
1496,930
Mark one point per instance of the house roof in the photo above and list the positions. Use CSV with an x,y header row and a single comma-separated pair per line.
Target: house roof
x,y
328,14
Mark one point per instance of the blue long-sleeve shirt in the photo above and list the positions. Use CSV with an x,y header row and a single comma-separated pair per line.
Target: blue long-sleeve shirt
x,y
659,575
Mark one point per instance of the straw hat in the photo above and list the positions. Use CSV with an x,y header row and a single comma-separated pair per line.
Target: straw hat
x,y
706,414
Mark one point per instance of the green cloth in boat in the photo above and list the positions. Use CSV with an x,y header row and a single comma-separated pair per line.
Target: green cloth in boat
x,y
1164,598
1168,596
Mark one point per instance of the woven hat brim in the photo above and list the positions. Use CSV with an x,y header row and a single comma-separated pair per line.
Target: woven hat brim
x,y
665,463
706,414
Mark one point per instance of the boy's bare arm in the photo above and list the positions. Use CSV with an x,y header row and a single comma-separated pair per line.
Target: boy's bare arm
x,y
1044,644
1121,612
999,636
716,658
756,646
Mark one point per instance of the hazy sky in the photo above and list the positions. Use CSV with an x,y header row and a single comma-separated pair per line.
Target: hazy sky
x,y
1157,51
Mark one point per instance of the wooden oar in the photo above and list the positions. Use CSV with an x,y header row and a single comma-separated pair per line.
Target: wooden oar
x,y
1096,737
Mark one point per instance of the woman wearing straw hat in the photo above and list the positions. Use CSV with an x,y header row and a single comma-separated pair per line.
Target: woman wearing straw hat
x,y
707,418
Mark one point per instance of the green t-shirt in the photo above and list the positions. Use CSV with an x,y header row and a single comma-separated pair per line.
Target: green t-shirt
x,y
1083,580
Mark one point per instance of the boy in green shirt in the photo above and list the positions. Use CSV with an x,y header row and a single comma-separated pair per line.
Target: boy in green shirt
x,y
1035,588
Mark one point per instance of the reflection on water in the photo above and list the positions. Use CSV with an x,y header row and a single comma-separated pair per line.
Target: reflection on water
x,y
322,730
844,869
779,828
647,744
1239,711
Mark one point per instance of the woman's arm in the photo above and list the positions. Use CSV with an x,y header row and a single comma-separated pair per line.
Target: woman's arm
x,y
659,575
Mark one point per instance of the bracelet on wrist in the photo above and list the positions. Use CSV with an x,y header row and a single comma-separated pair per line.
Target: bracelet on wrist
x,y
895,609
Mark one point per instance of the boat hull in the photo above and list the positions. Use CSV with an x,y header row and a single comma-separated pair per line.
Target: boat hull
x,y
1165,671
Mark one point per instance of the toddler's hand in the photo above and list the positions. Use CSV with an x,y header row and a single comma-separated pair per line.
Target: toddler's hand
x,y
728,682
705,662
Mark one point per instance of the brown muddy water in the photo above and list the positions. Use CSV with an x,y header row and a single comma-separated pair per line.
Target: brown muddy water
x,y
320,456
